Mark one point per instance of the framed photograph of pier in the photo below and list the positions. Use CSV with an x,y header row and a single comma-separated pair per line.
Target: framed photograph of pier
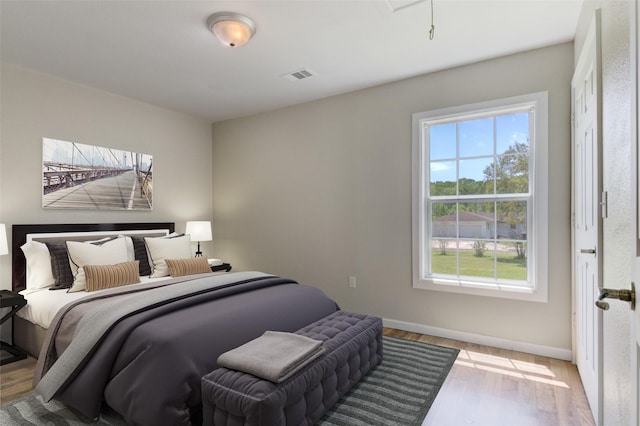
x,y
78,176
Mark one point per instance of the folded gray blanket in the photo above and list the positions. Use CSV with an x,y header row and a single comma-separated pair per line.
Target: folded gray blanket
x,y
274,356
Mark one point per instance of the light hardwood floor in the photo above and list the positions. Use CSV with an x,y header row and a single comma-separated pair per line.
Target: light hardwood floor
x,y
15,380
486,387
491,387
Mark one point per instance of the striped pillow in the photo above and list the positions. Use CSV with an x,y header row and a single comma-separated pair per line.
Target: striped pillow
x,y
189,266
106,276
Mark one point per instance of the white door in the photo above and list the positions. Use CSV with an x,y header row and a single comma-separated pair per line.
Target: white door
x,y
585,88
635,126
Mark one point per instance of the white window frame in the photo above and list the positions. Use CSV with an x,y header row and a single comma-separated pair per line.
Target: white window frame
x,y
537,226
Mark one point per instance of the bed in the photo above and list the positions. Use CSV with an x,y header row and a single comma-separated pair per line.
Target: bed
x,y
142,348
29,334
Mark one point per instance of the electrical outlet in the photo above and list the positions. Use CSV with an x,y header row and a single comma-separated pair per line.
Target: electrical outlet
x,y
352,282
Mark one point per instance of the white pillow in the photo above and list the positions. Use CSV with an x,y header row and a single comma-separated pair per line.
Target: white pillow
x,y
39,273
101,242
73,266
131,253
160,249
84,253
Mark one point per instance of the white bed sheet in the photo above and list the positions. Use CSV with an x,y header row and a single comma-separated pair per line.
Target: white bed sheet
x,y
43,304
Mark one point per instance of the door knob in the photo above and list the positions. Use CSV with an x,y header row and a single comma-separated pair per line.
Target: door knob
x,y
624,295
588,251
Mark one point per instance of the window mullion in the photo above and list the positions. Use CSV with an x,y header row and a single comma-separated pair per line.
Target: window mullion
x,y
457,235
495,204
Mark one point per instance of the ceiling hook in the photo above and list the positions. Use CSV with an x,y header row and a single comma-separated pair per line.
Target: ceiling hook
x,y
432,30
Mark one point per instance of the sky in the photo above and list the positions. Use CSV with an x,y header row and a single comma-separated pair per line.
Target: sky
x,y
63,152
476,141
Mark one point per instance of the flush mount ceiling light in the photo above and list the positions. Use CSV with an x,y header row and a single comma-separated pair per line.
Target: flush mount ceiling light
x,y
232,29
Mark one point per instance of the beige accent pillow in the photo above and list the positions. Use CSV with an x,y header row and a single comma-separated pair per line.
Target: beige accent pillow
x,y
99,277
189,266
160,249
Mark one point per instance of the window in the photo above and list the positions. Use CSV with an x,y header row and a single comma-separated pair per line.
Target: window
x,y
480,198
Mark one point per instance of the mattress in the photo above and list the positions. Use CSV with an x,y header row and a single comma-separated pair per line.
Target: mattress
x,y
43,304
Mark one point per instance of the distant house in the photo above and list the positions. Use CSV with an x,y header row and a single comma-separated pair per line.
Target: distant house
x,y
475,226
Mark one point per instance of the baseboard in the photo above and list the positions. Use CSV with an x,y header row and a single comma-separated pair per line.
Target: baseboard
x,y
496,342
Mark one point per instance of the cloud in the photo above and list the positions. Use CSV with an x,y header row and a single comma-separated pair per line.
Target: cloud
x,y
519,137
440,167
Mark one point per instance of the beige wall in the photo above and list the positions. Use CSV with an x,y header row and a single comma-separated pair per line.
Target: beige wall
x,y
35,105
618,228
322,191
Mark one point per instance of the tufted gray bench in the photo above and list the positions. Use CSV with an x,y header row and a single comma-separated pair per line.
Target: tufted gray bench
x,y
353,346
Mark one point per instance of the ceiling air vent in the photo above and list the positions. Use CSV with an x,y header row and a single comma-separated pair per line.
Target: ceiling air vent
x,y
300,74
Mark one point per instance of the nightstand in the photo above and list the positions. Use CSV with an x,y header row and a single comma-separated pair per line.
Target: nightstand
x,y
223,267
15,301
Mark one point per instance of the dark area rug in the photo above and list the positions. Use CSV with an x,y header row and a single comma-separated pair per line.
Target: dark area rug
x,y
399,392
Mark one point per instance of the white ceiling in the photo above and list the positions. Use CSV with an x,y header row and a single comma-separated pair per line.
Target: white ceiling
x,y
161,52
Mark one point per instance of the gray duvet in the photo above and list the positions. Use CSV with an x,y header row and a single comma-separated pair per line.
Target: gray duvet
x,y
147,363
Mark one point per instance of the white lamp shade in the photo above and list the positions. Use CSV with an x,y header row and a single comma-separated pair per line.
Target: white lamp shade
x,y
199,230
4,249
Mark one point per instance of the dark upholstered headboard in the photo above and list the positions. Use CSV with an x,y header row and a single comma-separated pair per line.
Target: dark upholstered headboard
x,y
20,232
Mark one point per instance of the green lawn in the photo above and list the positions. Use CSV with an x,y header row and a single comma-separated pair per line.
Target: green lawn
x,y
509,267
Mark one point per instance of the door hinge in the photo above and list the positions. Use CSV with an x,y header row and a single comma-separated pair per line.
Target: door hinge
x,y
603,205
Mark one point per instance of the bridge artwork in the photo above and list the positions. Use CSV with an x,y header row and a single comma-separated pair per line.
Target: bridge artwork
x,y
78,176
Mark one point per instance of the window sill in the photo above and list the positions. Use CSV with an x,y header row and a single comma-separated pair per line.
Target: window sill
x,y
481,289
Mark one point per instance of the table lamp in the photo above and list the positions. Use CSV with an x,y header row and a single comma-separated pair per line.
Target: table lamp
x,y
4,249
199,230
